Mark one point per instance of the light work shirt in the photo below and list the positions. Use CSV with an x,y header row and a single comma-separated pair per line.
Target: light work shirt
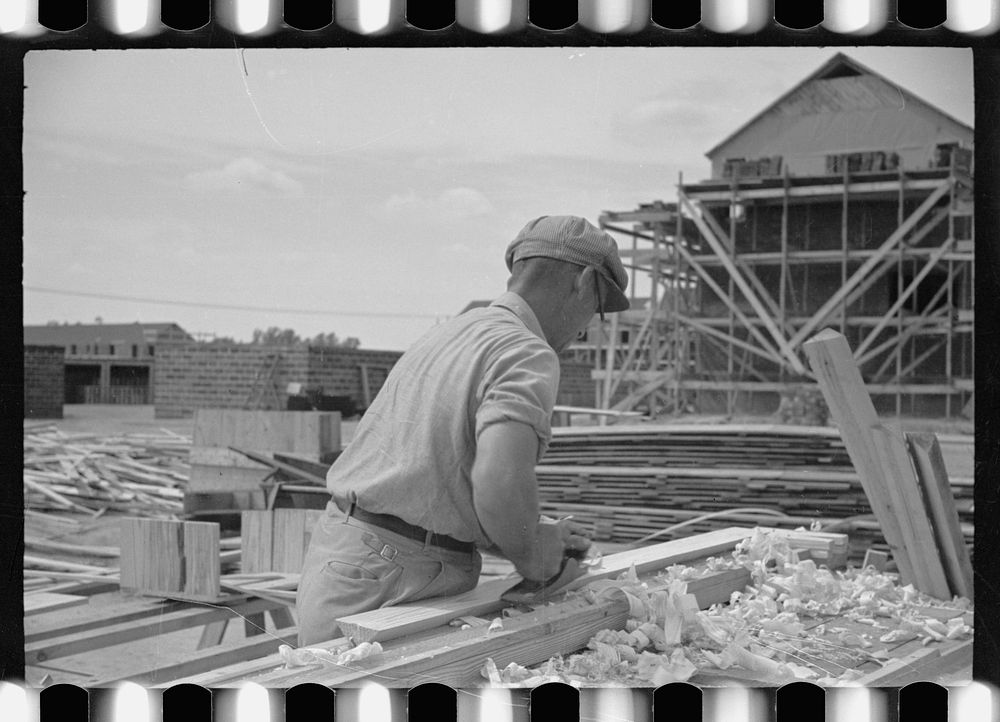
x,y
413,451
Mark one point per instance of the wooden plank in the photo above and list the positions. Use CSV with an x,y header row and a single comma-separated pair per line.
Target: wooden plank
x,y
256,541
226,478
49,602
235,674
130,631
205,660
393,622
84,618
913,514
852,409
925,664
933,477
456,658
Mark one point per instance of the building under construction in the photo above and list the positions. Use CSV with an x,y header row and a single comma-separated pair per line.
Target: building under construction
x,y
846,203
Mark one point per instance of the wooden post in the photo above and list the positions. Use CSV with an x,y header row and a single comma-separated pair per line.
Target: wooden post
x,y
879,455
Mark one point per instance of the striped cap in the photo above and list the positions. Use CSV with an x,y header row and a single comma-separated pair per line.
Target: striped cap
x,y
574,240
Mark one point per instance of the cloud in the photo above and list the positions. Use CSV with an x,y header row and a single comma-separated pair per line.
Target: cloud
x,y
243,174
453,203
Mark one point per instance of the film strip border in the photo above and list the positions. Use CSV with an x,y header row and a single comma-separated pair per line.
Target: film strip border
x,y
552,701
537,21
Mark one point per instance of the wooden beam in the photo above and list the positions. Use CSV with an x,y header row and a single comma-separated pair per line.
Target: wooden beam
x,y
722,335
926,453
729,302
880,458
456,658
862,272
43,602
130,631
787,349
205,660
903,297
393,622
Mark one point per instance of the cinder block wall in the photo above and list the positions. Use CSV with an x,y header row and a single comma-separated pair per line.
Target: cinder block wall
x,y
194,376
338,370
44,381
200,376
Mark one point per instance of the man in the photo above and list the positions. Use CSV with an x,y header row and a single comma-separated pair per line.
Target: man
x,y
442,464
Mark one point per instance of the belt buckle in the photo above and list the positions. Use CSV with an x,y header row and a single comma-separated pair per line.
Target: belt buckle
x,y
388,552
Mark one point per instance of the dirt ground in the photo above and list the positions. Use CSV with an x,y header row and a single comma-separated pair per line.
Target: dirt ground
x,y
108,420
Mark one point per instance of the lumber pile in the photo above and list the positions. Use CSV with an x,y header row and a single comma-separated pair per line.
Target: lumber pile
x,y
627,482
143,474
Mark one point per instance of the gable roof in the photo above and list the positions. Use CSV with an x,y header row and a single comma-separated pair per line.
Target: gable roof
x,y
840,65
84,333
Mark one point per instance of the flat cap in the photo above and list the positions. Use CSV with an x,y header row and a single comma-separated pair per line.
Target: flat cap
x,y
574,240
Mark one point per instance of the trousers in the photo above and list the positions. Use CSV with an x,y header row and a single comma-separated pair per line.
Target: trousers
x,y
352,567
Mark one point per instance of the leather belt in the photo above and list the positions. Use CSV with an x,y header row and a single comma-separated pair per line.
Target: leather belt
x,y
398,526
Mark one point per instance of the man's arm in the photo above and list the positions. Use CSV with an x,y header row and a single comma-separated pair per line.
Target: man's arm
x,y
505,496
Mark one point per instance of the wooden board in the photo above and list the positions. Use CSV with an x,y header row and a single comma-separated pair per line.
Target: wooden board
x,y
276,541
929,462
913,514
206,478
393,622
852,410
313,433
205,660
922,664
129,631
42,602
456,658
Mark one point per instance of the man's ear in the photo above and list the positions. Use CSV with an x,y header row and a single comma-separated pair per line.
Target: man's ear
x,y
584,281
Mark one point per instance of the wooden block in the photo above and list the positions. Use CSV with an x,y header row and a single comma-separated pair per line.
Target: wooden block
x,y
852,410
256,541
393,622
171,558
289,540
42,602
201,560
875,558
933,477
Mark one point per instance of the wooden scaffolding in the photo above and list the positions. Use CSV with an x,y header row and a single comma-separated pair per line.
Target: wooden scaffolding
x,y
742,271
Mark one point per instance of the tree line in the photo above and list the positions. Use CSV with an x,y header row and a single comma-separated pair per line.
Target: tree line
x,y
275,336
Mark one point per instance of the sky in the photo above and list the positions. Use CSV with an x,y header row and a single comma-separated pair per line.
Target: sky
x,y
366,192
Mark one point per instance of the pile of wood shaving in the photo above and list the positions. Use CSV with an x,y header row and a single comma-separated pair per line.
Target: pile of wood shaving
x,y
797,622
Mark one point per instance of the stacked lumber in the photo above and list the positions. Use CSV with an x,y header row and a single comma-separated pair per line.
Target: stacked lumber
x,y
626,482
142,474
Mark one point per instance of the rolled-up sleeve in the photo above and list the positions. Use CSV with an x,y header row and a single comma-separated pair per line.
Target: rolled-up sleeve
x,y
521,386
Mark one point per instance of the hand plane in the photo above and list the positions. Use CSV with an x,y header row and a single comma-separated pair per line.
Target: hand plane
x,y
529,591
